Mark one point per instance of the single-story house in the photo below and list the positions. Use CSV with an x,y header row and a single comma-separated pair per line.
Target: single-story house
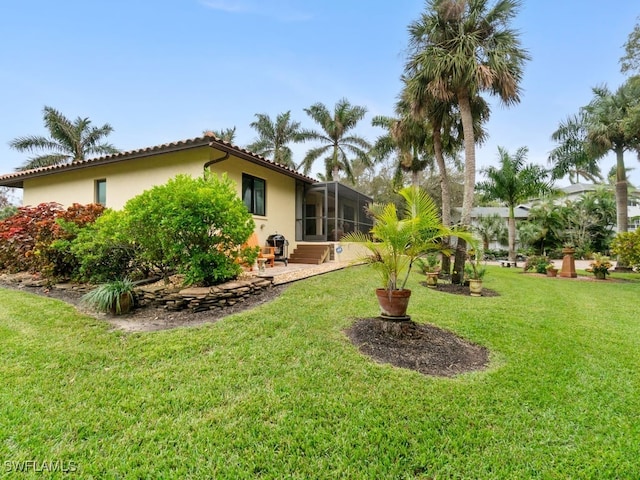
x,y
282,200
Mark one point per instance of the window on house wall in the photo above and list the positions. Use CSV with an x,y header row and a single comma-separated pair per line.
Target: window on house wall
x,y
101,192
254,194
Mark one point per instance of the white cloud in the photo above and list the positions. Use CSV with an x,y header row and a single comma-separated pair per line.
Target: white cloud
x,y
280,10
229,6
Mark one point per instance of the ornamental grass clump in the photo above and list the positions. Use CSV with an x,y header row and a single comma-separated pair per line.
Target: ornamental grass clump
x,y
115,297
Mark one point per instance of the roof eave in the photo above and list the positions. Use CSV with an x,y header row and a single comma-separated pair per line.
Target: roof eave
x,y
16,180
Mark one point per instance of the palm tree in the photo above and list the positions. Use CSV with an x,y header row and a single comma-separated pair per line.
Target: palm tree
x,y
607,119
513,183
226,135
461,48
337,144
600,205
547,218
573,155
409,139
68,142
490,228
446,133
274,137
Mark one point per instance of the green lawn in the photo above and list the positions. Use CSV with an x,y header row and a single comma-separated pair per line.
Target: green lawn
x,y
280,392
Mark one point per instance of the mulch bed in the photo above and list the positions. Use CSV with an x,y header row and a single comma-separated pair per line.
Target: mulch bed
x,y
425,348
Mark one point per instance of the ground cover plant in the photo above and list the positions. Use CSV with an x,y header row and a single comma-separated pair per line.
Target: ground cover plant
x,y
281,392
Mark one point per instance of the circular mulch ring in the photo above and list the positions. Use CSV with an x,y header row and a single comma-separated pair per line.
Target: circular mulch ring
x,y
424,348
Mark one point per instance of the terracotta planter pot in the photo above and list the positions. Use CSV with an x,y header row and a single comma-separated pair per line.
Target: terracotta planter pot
x,y
393,303
601,275
432,280
475,287
126,304
552,272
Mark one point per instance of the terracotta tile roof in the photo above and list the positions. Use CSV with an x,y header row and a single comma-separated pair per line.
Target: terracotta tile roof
x,y
16,179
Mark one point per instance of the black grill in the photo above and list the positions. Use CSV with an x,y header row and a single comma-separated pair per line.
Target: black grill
x,y
281,245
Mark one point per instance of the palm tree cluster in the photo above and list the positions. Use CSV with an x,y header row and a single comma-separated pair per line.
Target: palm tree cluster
x,y
459,51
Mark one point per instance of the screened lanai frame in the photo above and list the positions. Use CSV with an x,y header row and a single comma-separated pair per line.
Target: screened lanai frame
x,y
328,210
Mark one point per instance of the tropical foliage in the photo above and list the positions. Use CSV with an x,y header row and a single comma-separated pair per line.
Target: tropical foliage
x,y
397,241
68,141
627,246
573,156
587,223
512,183
600,265
409,139
38,238
607,117
491,228
226,134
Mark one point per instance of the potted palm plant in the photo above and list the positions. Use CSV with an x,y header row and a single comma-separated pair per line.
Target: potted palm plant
x,y
396,242
475,272
429,266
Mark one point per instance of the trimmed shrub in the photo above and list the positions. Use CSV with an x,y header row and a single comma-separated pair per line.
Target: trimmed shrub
x,y
105,252
536,263
195,226
627,246
55,260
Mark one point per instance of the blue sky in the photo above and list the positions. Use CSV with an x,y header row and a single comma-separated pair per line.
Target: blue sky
x,y
165,70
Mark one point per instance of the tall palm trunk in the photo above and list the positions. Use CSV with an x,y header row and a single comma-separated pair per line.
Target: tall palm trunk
x,y
415,179
335,167
512,234
469,181
621,192
445,192
622,218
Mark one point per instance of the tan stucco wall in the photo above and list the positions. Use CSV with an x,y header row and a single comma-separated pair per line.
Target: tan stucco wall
x,y
130,178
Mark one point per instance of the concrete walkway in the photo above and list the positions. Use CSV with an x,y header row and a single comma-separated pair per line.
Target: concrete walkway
x,y
281,274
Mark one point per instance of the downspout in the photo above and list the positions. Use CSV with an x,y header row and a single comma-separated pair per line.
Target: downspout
x,y
215,160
